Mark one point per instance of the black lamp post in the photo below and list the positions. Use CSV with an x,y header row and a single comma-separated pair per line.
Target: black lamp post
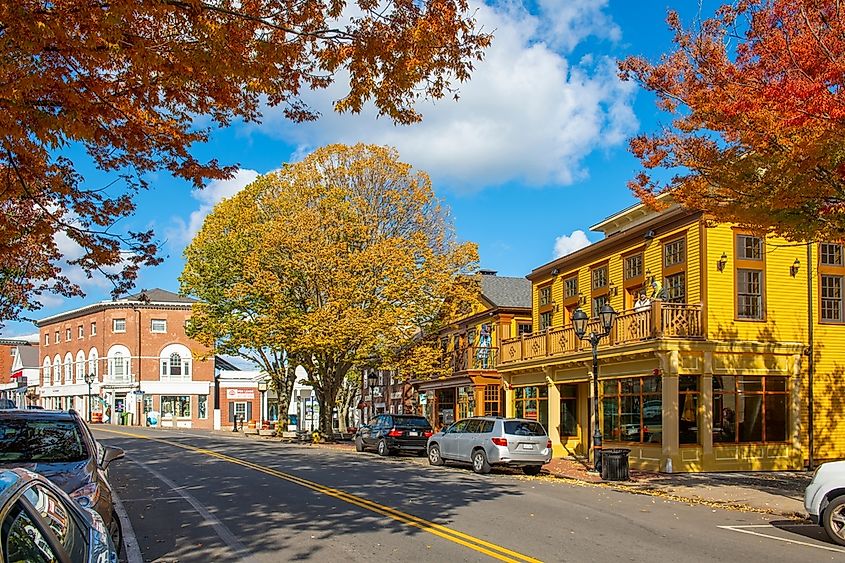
x,y
89,379
371,380
607,316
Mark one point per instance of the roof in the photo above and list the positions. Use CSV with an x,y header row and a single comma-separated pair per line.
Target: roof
x,y
28,356
505,291
147,298
157,295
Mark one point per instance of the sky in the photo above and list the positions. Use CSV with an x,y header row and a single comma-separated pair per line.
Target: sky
x,y
531,155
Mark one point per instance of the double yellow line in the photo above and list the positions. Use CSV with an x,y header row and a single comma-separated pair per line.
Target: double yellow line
x,y
466,540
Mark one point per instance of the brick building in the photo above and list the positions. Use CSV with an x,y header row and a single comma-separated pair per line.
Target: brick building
x,y
138,357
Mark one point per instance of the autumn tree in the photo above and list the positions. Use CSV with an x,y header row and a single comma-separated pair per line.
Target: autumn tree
x,y
123,81
343,257
758,130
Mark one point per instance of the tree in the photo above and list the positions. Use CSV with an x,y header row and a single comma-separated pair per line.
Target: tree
x,y
758,135
340,258
124,80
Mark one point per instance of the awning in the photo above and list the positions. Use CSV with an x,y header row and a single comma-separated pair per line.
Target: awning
x,y
17,374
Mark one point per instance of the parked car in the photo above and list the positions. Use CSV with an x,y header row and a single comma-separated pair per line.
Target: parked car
x,y
824,499
7,404
59,446
388,433
487,441
40,522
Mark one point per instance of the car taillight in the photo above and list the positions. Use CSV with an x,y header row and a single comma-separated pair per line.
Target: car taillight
x,y
394,433
427,434
548,444
500,441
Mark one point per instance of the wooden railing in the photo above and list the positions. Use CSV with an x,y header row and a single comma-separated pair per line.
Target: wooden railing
x,y
473,357
660,320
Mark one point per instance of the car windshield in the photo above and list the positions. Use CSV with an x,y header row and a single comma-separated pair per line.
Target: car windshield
x,y
26,441
524,428
412,422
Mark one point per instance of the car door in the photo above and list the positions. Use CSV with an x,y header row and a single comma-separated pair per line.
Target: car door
x,y
451,439
368,431
469,439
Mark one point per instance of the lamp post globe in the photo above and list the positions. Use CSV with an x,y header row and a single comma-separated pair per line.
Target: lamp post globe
x,y
579,322
607,316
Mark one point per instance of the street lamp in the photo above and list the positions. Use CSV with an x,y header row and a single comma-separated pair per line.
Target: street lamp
x,y
607,316
371,380
262,389
89,379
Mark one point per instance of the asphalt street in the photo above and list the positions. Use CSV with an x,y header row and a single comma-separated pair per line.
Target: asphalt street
x,y
197,497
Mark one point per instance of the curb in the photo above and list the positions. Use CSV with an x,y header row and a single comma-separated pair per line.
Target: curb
x,y
131,552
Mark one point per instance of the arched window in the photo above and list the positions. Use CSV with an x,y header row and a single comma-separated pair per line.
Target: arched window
x,y
47,376
80,366
119,364
175,361
93,364
68,365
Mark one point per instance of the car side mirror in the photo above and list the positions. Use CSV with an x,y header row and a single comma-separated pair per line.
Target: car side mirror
x,y
110,453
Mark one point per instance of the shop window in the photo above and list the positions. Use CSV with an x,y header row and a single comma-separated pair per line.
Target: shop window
x,y
750,409
492,400
688,401
176,406
532,403
202,406
148,404
568,410
632,409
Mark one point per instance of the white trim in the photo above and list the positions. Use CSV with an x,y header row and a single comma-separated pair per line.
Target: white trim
x,y
176,388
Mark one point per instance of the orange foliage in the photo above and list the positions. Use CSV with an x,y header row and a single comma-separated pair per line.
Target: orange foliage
x,y
125,78
758,136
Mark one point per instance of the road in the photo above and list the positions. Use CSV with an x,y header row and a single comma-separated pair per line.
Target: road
x,y
204,497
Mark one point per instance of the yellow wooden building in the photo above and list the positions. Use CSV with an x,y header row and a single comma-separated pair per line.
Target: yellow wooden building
x,y
712,370
470,347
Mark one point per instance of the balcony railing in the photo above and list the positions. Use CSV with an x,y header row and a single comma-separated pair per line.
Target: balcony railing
x,y
661,320
472,358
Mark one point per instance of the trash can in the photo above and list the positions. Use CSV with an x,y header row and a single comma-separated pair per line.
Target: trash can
x,y
614,464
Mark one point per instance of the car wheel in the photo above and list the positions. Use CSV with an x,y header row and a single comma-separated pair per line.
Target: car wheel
x,y
479,462
116,533
532,469
834,520
359,445
382,448
434,457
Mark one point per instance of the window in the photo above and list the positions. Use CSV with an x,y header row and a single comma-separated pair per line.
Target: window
x,y
831,297
688,399
568,410
57,339
675,287
523,328
749,248
30,440
599,276
46,338
749,296
598,303
570,287
119,325
674,252
117,366
545,295
148,403
532,403
202,406
93,329
633,266
80,331
633,409
545,320
492,400
175,367
750,409
176,406
67,335
158,325
830,254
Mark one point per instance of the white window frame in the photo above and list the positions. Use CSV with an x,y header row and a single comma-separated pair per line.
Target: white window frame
x,y
114,324
94,329
166,358
162,327
81,331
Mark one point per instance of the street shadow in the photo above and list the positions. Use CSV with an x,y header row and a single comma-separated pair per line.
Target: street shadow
x,y
805,530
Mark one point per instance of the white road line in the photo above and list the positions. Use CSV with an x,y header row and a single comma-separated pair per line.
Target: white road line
x,y
222,531
787,540
131,549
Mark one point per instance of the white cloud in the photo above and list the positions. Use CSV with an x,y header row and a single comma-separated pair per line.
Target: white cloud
x,y
567,244
528,114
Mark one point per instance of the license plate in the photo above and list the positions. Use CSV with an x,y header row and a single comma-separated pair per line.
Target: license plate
x,y
527,446
412,433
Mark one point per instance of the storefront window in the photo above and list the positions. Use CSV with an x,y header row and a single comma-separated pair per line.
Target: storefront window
x,y
148,403
688,396
568,405
632,409
532,403
202,406
750,409
492,400
466,402
446,402
178,406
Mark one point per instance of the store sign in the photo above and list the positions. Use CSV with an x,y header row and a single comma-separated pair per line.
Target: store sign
x,y
240,394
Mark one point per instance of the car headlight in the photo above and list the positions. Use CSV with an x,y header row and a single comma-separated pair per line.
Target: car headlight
x,y
87,495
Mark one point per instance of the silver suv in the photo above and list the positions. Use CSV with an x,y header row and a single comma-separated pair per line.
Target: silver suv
x,y
485,441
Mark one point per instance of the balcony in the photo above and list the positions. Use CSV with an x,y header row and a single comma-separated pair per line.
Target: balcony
x,y
662,320
472,358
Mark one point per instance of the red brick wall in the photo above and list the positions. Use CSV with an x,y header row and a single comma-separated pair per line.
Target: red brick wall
x,y
6,363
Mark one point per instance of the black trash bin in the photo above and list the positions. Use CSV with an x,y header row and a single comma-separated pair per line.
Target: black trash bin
x,y
614,464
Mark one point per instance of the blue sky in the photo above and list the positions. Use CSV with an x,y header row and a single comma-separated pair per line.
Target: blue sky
x,y
531,155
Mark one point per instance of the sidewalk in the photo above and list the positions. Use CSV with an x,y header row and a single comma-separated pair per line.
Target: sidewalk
x,y
780,493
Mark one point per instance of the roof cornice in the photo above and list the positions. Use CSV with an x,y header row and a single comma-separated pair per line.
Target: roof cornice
x,y
104,305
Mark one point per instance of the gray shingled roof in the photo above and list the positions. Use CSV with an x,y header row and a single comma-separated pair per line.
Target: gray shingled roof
x,y
157,295
28,356
506,292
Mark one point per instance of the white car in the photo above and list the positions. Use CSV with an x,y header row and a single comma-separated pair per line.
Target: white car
x,y
824,499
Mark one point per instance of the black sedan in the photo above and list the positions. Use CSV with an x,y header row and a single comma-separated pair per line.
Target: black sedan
x,y
389,433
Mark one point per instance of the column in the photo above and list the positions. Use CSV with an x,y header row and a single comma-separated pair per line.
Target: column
x,y
705,429
554,417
